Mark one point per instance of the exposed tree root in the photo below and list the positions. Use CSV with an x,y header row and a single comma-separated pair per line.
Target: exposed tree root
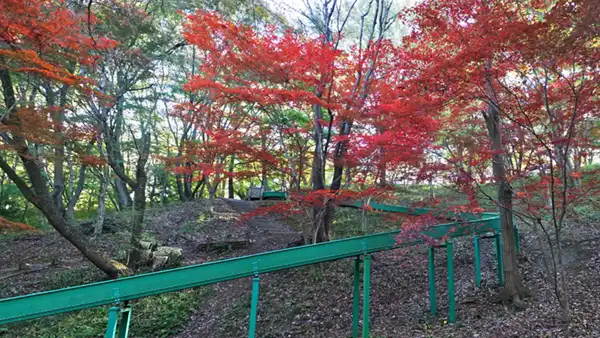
x,y
515,298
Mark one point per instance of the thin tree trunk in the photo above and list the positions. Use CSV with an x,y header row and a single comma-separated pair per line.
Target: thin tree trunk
x,y
264,179
163,191
123,196
187,184
338,170
179,180
230,178
317,175
139,201
74,197
102,200
59,149
137,225
513,285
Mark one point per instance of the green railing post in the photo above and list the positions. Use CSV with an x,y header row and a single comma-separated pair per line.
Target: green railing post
x,y
113,320
253,307
498,242
477,261
451,299
356,298
125,320
432,301
366,295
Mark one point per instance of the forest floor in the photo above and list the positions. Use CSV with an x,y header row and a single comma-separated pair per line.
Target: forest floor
x,y
316,301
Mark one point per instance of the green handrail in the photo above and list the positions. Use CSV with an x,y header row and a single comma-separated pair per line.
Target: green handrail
x,y
130,288
91,295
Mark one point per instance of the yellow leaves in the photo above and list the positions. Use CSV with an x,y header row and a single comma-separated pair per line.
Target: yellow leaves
x,y
122,268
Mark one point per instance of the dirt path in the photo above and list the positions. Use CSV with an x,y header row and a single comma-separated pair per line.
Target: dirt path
x,y
214,316
267,233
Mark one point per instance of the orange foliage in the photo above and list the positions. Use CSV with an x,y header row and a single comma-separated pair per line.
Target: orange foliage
x,y
7,226
41,36
92,161
47,39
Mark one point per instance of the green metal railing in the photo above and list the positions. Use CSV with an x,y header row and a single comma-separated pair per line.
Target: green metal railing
x,y
119,292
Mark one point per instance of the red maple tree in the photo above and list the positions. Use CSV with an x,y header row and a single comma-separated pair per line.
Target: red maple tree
x,y
524,75
359,89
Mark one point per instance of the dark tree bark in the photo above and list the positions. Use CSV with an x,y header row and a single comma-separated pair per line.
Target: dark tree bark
x,y
513,285
339,156
70,211
138,185
139,208
230,178
317,175
114,138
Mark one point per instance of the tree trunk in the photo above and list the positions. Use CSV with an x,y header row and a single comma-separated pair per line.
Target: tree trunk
x,y
123,197
187,184
179,180
102,201
163,190
317,176
74,196
338,173
59,149
513,285
137,224
264,178
382,167
139,200
230,178
302,177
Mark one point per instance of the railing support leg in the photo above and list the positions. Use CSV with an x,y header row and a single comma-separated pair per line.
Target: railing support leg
x,y
113,320
431,269
477,261
366,295
356,298
498,242
451,298
253,307
125,320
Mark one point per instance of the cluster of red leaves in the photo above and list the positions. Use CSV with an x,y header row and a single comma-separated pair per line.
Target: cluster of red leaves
x,y
46,39
41,36
302,201
270,69
92,160
34,125
237,54
201,156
